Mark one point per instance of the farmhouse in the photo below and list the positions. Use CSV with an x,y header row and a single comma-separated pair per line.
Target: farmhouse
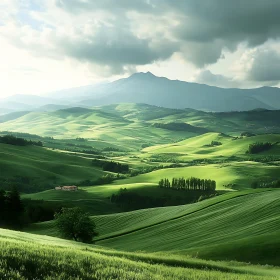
x,y
67,188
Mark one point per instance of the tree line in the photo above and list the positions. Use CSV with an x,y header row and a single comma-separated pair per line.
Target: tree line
x,y
272,184
129,200
111,166
192,183
17,141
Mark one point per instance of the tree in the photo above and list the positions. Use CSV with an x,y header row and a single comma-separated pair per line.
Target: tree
x,y
74,223
11,210
2,207
15,209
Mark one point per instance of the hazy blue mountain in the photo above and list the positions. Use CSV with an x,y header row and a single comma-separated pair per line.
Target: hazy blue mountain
x,y
77,94
25,102
153,90
149,89
28,99
12,106
4,111
12,116
51,108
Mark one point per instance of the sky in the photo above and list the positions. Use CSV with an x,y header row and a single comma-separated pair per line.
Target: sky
x,y
48,45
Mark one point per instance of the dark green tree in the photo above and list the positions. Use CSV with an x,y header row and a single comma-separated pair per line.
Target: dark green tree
x,y
15,209
74,223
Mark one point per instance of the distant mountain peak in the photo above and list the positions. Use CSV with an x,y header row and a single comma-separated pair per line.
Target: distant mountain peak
x,y
143,74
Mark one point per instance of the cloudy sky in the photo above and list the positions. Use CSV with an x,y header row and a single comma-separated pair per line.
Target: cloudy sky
x,y
47,45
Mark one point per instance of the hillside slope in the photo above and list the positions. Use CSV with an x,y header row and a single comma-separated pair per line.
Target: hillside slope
x,y
27,256
200,147
135,125
214,228
242,226
37,167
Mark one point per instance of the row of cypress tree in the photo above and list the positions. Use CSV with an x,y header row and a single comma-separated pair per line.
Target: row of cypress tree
x,y
192,183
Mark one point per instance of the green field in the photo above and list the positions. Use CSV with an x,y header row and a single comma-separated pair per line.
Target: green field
x,y
216,238
240,226
199,147
132,125
26,256
45,165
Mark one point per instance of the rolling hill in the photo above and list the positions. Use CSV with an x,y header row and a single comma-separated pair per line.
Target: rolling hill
x,y
25,256
240,226
200,147
136,125
217,228
40,168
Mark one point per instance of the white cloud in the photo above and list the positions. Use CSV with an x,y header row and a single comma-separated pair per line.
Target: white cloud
x,y
51,44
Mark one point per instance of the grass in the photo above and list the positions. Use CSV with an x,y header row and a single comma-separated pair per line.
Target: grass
x,y
242,174
45,165
201,228
28,256
131,125
196,147
158,243
112,126
242,226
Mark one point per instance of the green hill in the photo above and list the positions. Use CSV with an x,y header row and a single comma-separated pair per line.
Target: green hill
x,y
40,168
200,147
243,227
240,226
135,125
29,256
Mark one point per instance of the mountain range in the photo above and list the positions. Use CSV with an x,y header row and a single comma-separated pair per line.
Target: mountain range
x,y
149,89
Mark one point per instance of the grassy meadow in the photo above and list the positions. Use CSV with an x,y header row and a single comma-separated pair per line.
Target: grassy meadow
x,y
28,256
240,226
233,235
45,165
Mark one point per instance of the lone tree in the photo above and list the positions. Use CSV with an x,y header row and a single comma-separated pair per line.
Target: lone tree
x,y
74,223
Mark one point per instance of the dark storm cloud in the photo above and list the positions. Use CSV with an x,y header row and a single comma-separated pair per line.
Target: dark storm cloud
x,y
265,66
226,22
204,28
119,34
116,49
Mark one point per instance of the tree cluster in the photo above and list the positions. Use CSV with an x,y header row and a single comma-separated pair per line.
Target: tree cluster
x,y
11,210
28,184
273,184
111,149
129,200
12,140
259,147
104,180
111,166
216,143
194,184
40,210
